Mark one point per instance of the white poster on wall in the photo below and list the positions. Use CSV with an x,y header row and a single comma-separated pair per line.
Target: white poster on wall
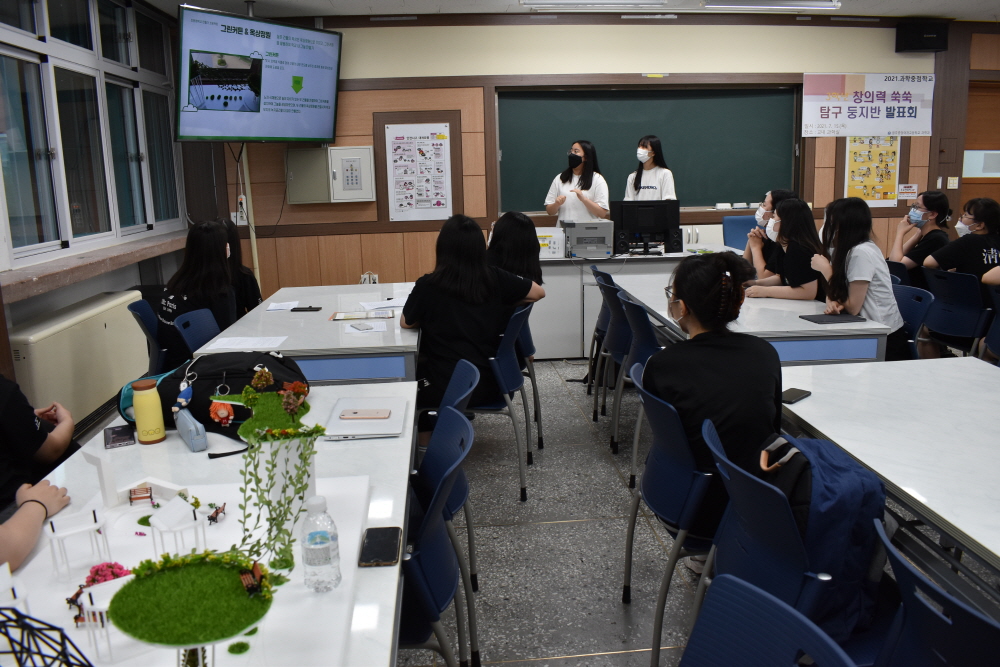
x,y
850,105
418,164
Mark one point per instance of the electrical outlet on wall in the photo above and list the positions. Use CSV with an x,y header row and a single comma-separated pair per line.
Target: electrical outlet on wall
x,y
369,278
241,210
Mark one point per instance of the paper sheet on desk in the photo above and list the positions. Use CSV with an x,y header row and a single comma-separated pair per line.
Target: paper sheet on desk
x,y
375,326
398,302
248,343
287,305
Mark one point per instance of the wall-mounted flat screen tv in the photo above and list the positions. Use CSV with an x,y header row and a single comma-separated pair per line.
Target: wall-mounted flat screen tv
x,y
247,79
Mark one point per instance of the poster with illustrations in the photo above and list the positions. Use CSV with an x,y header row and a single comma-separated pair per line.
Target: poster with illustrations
x,y
873,169
418,160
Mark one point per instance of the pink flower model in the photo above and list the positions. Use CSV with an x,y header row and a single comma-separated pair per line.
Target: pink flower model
x,y
106,572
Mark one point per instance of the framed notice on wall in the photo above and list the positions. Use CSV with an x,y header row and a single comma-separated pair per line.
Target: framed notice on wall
x,y
421,167
872,171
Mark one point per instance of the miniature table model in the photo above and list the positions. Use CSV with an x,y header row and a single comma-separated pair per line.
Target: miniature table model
x,y
375,605
777,321
323,349
914,425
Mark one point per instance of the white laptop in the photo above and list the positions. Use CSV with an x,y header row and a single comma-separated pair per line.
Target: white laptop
x,y
348,421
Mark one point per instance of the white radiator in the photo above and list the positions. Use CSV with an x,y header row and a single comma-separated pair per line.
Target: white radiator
x,y
80,355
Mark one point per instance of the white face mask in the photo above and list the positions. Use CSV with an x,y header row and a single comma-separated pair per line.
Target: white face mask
x,y
642,154
759,216
772,233
962,228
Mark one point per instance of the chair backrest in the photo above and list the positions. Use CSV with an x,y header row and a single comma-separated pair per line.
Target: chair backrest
x,y
644,343
741,624
463,381
937,630
671,484
735,229
197,328
618,338
604,315
525,345
895,279
992,338
898,270
432,568
913,304
958,304
504,365
758,541
150,326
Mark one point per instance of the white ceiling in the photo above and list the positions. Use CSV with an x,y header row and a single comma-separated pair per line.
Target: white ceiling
x,y
968,10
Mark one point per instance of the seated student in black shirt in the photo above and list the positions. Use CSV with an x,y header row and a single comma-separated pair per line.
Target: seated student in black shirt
x,y
929,216
734,379
765,230
462,309
792,275
245,286
513,246
202,281
32,442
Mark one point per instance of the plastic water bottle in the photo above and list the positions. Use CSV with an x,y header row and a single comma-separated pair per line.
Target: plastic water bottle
x,y
320,547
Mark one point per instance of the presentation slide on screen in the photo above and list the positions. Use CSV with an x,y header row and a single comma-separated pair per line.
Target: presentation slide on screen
x,y
244,78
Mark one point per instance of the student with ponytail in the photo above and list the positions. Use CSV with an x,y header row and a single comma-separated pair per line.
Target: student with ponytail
x,y
734,379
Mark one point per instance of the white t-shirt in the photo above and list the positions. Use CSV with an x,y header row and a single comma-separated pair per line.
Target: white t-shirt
x,y
657,184
573,209
865,262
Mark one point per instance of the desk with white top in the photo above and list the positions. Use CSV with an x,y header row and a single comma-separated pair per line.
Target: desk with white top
x,y
929,429
777,321
293,632
324,350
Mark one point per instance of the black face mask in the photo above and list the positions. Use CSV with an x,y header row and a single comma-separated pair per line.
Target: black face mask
x,y
574,160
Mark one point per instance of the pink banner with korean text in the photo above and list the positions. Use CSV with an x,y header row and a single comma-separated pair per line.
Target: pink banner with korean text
x,y
845,105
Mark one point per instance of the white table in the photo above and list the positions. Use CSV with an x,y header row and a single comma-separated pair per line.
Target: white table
x,y
323,349
371,638
928,428
777,321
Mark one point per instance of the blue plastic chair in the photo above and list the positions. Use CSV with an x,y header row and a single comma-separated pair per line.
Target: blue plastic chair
x,y
744,625
617,342
672,488
895,279
735,229
644,345
510,381
150,326
913,304
958,308
525,348
431,571
898,270
197,328
934,629
600,330
992,338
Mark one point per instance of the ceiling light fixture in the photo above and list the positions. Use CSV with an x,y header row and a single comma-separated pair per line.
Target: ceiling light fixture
x,y
773,5
594,5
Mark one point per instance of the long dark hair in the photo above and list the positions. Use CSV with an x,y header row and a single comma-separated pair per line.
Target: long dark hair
x,y
986,211
778,196
653,142
461,267
797,225
937,201
204,272
712,287
236,266
853,227
589,166
829,224
514,246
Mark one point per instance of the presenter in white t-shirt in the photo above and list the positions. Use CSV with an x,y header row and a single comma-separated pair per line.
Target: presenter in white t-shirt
x,y
652,180
580,193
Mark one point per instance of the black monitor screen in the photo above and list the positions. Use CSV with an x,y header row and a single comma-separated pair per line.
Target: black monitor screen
x,y
648,222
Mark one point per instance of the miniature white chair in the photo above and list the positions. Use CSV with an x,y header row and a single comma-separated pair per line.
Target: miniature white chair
x,y
62,527
177,517
11,592
95,601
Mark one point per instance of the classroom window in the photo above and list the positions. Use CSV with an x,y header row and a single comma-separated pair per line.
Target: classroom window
x,y
152,48
126,158
69,20
18,13
159,143
79,124
24,155
115,34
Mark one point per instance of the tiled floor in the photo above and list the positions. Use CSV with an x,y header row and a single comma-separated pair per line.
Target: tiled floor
x,y
551,568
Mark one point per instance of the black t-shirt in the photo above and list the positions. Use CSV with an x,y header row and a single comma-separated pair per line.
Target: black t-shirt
x,y
972,253
247,292
452,329
168,306
928,244
794,265
21,436
733,379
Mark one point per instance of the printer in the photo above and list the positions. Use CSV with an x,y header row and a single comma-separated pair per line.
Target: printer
x,y
589,240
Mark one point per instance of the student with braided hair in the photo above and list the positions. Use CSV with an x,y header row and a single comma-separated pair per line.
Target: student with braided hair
x,y
734,379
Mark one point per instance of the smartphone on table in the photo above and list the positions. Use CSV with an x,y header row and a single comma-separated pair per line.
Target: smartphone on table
x,y
380,547
790,396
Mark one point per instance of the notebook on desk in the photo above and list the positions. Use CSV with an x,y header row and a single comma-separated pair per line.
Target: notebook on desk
x,y
339,427
831,319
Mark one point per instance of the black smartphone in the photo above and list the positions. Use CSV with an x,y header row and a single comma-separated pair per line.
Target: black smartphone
x,y
118,436
380,547
790,396
306,309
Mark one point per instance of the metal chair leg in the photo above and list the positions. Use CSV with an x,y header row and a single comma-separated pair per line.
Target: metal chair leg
x,y
538,402
444,647
635,447
598,370
609,371
470,531
470,599
616,407
463,648
629,539
527,425
591,362
703,583
661,599
517,443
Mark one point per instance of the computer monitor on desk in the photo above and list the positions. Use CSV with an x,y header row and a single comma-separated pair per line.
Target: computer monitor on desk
x,y
647,222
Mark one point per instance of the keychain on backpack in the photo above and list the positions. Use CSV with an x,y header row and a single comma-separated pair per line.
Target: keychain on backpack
x,y
219,411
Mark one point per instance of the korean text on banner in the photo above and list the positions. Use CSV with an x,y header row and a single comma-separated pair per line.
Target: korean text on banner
x,y
845,105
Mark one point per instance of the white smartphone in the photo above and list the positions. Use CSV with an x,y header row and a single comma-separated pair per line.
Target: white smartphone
x,y
361,326
366,414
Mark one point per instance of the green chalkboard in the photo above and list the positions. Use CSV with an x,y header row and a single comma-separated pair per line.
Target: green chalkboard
x,y
721,145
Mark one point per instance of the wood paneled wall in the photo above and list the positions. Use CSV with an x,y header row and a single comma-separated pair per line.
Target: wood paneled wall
x,y
984,52
983,129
